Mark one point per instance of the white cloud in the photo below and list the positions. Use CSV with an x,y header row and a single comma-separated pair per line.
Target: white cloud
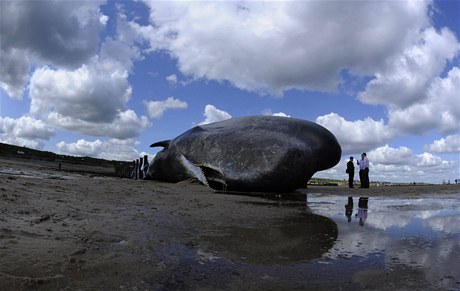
x,y
92,99
451,144
407,77
25,131
281,114
400,164
59,32
403,156
440,109
91,93
156,109
392,156
427,160
126,124
212,114
113,149
80,148
172,79
356,136
269,112
275,46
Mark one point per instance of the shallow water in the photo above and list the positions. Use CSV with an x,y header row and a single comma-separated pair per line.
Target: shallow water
x,y
423,234
407,244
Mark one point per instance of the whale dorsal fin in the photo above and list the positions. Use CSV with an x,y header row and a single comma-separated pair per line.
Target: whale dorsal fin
x,y
163,143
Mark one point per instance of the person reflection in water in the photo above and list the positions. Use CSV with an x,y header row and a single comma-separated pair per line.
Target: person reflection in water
x,y
349,208
362,210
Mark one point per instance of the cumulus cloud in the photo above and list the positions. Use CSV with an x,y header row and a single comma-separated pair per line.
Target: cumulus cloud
x,y
212,114
387,155
440,108
25,131
89,93
277,46
91,99
356,136
172,79
407,77
450,144
60,33
113,149
427,160
418,167
270,112
392,156
80,148
14,65
126,124
156,109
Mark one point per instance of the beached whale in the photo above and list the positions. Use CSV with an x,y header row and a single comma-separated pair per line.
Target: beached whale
x,y
249,154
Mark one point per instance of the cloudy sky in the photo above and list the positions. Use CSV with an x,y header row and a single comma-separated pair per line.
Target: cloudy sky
x,y
108,78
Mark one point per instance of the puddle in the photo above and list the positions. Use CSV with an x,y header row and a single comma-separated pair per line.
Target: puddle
x,y
419,233
280,241
412,244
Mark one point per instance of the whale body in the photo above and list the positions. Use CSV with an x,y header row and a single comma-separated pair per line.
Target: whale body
x,y
248,154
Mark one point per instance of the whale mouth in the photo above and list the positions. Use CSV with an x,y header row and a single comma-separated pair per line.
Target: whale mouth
x,y
206,174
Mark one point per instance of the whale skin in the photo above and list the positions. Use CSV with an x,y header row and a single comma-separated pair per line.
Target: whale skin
x,y
248,154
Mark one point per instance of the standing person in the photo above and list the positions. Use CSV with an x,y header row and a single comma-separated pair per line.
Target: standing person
x,y
364,171
361,171
351,172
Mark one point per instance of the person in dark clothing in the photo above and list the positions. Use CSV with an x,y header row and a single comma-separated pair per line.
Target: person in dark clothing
x,y
351,172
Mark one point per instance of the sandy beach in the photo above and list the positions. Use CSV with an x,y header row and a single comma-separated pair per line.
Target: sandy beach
x,y
79,229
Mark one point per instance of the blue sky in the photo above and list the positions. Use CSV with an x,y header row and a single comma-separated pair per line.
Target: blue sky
x,y
108,78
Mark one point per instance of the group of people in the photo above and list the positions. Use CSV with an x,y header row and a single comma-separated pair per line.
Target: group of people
x,y
363,171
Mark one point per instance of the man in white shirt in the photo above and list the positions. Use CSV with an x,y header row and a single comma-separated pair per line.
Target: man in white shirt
x,y
364,171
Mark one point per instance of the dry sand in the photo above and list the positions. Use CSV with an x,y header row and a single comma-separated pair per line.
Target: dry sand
x,y
67,230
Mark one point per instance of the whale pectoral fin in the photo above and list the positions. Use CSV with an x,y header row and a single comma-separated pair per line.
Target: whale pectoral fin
x,y
207,175
215,178
163,143
193,170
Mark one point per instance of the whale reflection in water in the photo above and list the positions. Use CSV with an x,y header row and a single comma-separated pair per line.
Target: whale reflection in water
x,y
280,241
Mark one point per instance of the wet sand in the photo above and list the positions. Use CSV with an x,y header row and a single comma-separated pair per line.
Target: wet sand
x,y
78,229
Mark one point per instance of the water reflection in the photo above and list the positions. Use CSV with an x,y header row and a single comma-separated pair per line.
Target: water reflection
x,y
420,234
409,243
349,208
362,210
281,241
